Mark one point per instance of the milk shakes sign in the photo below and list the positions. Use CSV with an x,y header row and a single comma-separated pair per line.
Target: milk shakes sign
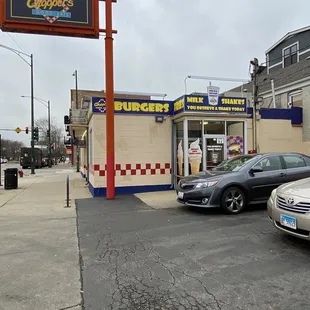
x,y
213,94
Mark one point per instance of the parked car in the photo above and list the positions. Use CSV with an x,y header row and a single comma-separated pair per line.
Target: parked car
x,y
44,162
3,160
242,180
289,208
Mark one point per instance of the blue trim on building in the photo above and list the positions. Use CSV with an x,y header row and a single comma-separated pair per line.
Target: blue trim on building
x,y
127,190
83,175
297,116
275,113
294,114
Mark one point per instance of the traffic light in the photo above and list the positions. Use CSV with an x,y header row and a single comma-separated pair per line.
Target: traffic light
x,y
48,133
52,146
27,130
36,134
66,119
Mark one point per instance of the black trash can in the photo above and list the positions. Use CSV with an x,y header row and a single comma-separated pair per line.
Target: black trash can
x,y
11,178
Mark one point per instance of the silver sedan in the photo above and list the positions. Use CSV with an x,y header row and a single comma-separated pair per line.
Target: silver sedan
x,y
289,208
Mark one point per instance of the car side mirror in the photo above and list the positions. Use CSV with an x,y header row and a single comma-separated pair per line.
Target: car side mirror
x,y
256,170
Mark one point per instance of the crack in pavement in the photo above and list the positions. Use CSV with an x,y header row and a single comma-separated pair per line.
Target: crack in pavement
x,y
137,286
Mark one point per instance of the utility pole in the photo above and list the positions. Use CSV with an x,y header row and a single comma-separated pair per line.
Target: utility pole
x,y
77,107
255,65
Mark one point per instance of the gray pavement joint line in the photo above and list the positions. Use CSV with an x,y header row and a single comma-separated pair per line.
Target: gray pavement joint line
x,y
81,262
19,193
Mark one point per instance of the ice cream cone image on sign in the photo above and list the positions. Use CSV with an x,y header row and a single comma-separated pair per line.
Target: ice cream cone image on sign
x,y
194,156
180,158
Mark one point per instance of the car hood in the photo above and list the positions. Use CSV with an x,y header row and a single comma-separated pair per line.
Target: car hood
x,y
205,176
299,188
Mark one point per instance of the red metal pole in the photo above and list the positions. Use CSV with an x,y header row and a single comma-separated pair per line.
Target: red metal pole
x,y
110,152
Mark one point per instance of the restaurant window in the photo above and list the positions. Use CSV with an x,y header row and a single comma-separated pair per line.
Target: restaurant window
x,y
180,148
290,55
235,139
214,128
194,148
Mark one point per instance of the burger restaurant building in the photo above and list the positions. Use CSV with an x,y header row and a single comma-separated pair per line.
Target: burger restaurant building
x,y
159,142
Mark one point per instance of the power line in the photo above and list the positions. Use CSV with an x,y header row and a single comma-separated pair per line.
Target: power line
x,y
15,41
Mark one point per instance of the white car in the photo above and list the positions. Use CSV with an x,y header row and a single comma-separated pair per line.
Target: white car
x,y
289,208
3,160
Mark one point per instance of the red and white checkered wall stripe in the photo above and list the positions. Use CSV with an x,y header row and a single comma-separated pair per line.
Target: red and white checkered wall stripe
x,y
133,169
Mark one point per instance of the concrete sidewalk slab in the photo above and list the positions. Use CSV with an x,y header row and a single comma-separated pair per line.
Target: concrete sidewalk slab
x,y
39,257
160,200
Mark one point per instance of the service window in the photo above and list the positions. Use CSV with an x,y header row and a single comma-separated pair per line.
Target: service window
x,y
271,163
294,161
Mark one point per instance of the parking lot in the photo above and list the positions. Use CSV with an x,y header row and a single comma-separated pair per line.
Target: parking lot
x,y
135,257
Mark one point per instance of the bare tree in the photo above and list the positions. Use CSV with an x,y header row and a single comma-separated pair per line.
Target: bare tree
x,y
57,135
10,149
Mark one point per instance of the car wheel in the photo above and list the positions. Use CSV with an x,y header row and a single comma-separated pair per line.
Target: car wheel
x,y
233,200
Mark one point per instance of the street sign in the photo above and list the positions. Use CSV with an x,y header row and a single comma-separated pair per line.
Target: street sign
x,y
18,130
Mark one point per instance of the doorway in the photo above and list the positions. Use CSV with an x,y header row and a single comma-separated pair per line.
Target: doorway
x,y
214,150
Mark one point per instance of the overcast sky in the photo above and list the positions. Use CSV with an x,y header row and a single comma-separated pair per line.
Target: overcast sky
x,y
159,43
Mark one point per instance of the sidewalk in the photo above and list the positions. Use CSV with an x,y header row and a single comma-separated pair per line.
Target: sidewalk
x,y
39,257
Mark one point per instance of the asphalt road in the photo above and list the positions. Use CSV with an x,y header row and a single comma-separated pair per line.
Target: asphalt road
x,y
137,258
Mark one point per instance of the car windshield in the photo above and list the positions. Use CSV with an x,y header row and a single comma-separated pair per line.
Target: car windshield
x,y
233,164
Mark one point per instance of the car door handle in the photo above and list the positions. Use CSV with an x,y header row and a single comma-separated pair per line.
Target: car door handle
x,y
282,174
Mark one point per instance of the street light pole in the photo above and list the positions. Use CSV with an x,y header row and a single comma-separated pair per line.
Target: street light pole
x,y
32,117
49,135
21,54
47,104
76,89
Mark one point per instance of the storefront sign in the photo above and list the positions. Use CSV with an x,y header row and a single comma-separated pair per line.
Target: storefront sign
x,y
182,104
213,95
178,105
55,17
133,106
224,104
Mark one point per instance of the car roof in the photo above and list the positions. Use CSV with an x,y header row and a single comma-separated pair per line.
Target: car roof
x,y
273,153
282,153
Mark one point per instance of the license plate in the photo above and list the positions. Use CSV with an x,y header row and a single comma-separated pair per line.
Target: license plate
x,y
180,195
288,221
